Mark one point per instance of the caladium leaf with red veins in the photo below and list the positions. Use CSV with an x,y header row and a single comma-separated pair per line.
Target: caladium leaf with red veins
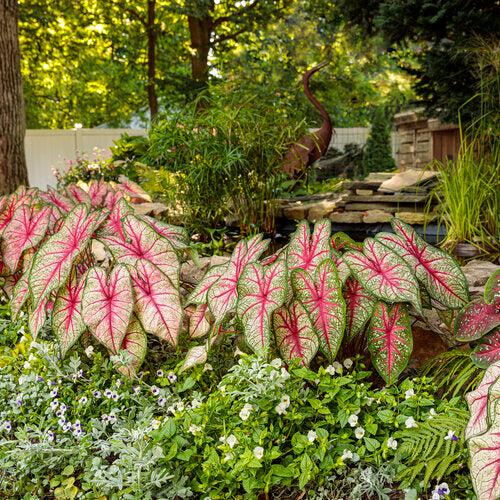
x,y
77,194
320,293
10,206
135,345
295,334
38,316
53,197
199,322
158,305
389,340
24,231
492,289
55,258
197,355
342,268
132,189
107,305
485,461
222,295
478,402
306,251
261,290
271,259
112,198
98,191
200,294
342,242
20,294
67,321
359,307
438,271
476,320
142,242
383,273
114,223
177,236
488,351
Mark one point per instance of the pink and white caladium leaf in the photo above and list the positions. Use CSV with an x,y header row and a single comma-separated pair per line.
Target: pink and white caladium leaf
x,y
476,320
197,355
158,304
306,251
134,347
435,269
342,242
342,268
10,206
177,236
359,307
222,295
132,189
54,198
200,322
77,194
200,294
383,273
107,305
478,402
38,316
488,351
320,293
295,334
492,289
142,242
98,191
67,320
55,258
19,295
484,452
261,290
389,340
24,231
114,222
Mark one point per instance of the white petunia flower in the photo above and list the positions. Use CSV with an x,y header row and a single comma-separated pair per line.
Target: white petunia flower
x,y
409,393
348,363
392,443
83,400
137,389
284,374
231,441
359,432
432,413
155,424
54,404
451,436
194,429
228,456
410,422
346,455
311,436
276,363
337,366
172,377
285,400
353,420
155,390
280,409
89,351
162,401
245,411
330,370
258,452
196,403
207,367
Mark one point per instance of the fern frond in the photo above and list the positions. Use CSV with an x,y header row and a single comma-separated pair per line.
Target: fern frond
x,y
453,372
424,449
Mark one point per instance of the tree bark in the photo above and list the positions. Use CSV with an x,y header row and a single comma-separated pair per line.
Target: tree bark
x,y
152,35
13,170
200,31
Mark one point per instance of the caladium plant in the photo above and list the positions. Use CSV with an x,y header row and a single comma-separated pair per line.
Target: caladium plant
x,y
320,291
479,323
483,435
51,271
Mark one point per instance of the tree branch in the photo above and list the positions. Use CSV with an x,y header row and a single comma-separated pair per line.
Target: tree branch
x,y
234,15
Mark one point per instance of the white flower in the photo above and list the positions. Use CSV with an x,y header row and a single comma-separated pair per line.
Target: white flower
x,y
258,452
284,373
108,393
355,457
353,420
280,409
409,393
83,400
112,418
96,394
348,363
137,389
7,425
172,377
162,401
369,401
78,126
337,366
359,432
207,367
440,491
54,404
50,436
311,436
392,443
155,390
231,441
347,455
432,413
63,408
245,411
159,373
89,351
196,403
276,363
410,422
194,429
228,456
179,406
118,383
27,365
451,436
53,393
285,400
330,369
155,424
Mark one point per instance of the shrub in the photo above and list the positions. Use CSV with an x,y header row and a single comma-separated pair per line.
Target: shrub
x,y
377,154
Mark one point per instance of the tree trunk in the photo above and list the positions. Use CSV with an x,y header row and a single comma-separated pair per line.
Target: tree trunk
x,y
13,170
151,31
200,31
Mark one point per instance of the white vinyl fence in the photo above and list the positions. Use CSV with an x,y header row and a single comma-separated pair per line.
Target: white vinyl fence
x,y
48,149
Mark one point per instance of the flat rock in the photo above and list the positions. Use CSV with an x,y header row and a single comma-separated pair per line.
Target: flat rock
x,y
406,179
477,272
415,217
347,217
379,176
364,192
150,208
388,207
297,210
376,216
321,209
387,198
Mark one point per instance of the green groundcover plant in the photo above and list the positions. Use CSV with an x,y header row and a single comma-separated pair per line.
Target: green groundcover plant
x,y
77,430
